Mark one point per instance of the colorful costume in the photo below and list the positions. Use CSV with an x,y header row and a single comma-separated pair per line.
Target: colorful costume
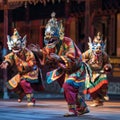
x,y
26,66
98,60
69,70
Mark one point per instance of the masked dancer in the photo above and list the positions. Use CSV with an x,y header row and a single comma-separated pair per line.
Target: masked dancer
x,y
25,63
99,62
68,69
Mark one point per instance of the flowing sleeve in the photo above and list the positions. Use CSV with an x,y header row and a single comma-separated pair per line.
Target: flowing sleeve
x,y
9,58
70,56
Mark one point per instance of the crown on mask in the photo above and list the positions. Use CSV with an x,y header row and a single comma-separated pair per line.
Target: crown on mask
x,y
97,42
15,41
15,35
98,37
54,28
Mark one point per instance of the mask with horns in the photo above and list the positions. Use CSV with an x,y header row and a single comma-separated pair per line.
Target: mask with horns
x,y
15,42
54,32
97,45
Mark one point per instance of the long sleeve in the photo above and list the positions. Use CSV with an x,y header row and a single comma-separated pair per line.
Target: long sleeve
x,y
9,58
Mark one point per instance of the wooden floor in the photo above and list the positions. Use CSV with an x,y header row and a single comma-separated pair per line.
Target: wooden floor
x,y
46,109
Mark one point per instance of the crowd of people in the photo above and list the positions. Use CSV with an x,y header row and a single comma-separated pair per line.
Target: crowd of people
x,y
68,66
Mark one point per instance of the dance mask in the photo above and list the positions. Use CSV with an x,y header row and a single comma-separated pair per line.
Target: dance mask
x,y
15,42
54,32
98,45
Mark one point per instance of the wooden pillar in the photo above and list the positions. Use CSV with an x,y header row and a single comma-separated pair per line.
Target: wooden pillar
x,y
118,36
5,94
41,38
67,20
87,22
10,23
5,21
87,17
27,23
113,37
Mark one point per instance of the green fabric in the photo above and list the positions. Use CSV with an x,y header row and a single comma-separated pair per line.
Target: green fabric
x,y
90,84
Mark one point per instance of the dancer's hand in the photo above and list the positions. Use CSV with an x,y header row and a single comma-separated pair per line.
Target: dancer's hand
x,y
107,68
36,49
4,65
